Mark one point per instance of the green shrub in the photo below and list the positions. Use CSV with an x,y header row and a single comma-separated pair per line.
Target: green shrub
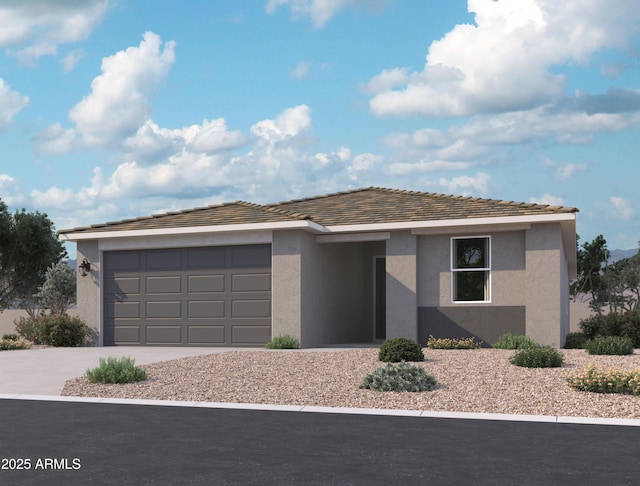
x,y
403,377
539,357
610,381
62,330
613,345
613,324
515,341
400,349
453,343
29,328
284,341
7,344
10,337
575,340
114,370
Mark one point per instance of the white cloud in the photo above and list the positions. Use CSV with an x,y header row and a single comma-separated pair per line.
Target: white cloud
x,y
55,140
289,124
321,11
71,59
467,185
567,171
118,104
547,199
302,70
11,102
406,168
10,191
621,208
35,28
502,63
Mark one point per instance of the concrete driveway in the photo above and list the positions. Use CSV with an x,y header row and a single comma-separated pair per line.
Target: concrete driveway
x,y
44,371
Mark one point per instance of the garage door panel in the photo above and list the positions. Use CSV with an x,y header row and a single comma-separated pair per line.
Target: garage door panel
x,y
164,334
214,257
250,308
250,335
123,261
206,283
217,296
206,334
164,310
124,335
122,285
251,282
163,260
250,256
206,309
123,310
164,285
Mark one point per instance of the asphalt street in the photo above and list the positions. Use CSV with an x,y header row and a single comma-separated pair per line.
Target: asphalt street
x,y
51,443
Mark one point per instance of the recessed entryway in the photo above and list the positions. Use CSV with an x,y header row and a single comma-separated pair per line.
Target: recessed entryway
x,y
380,297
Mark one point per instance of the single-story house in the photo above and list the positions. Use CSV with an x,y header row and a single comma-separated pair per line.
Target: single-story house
x,y
357,266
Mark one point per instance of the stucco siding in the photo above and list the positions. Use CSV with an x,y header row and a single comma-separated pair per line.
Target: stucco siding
x,y
401,263
485,323
89,302
321,292
544,284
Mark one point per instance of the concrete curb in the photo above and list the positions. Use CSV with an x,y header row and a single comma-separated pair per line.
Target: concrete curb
x,y
557,419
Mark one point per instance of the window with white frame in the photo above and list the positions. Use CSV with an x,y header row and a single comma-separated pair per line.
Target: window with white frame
x,y
470,269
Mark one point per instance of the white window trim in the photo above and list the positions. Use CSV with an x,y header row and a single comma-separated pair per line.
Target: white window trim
x,y
454,270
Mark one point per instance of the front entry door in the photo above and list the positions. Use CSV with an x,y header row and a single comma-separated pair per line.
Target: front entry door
x,y
380,291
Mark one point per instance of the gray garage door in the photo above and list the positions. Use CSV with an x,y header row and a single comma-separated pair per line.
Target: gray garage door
x,y
188,296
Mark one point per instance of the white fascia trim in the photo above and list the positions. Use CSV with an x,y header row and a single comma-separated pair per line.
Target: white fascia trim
x,y
408,225
101,235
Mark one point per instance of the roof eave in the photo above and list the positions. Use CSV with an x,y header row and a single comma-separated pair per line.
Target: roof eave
x,y
306,225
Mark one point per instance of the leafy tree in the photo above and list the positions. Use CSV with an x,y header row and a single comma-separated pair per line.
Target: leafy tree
x,y
622,283
592,259
28,246
58,292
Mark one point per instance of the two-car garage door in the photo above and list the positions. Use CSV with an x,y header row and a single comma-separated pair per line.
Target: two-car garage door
x,y
188,296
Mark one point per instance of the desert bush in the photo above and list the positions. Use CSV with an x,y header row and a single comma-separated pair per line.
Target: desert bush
x,y
515,341
403,377
400,349
10,337
612,345
10,343
613,324
575,340
29,328
62,331
610,381
116,370
284,341
538,357
453,343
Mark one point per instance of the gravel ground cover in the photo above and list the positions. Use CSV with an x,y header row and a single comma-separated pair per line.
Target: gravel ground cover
x,y
479,380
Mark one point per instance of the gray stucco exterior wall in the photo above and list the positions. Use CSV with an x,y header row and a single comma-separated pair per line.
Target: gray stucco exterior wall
x,y
88,290
325,286
547,298
402,310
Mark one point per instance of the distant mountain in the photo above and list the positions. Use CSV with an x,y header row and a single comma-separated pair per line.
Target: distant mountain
x,y
620,254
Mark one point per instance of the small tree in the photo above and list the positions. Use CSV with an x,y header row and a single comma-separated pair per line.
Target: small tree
x,y
58,292
28,246
592,259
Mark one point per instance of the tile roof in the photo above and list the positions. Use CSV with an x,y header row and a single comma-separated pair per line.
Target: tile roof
x,y
380,205
360,206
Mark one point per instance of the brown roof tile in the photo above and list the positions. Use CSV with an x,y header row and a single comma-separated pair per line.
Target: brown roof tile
x,y
239,212
380,205
360,206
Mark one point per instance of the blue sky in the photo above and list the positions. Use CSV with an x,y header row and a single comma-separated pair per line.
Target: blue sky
x,y
111,109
